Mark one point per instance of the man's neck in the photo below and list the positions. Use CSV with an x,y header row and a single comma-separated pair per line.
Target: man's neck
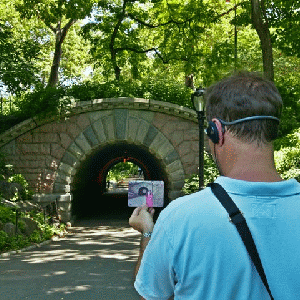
x,y
248,175
250,163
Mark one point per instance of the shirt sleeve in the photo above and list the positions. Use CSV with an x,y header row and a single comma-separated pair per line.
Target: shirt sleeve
x,y
156,276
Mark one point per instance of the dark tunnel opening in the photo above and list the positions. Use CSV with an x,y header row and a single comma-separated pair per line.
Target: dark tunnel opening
x,y
89,188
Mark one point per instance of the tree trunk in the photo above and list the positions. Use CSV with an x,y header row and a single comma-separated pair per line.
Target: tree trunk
x,y
60,35
113,52
53,79
260,23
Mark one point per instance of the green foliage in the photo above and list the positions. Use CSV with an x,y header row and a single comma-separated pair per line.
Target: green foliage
x,y
3,239
210,174
2,166
287,79
35,237
45,232
7,174
56,101
43,101
7,215
15,242
284,17
287,158
26,193
18,71
51,11
20,49
160,89
122,170
58,17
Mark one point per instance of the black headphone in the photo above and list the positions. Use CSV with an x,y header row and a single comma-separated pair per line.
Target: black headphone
x,y
214,134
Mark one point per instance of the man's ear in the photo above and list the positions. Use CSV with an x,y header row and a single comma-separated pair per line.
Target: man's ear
x,y
221,131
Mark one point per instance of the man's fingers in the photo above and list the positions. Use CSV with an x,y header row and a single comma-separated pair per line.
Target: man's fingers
x,y
151,210
136,211
144,207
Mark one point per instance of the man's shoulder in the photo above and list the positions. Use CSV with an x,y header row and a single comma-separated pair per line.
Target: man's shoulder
x,y
184,205
202,203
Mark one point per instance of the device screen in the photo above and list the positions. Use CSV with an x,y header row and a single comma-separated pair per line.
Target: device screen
x,y
141,192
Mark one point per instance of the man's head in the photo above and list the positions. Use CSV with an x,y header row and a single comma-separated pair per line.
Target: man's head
x,y
245,95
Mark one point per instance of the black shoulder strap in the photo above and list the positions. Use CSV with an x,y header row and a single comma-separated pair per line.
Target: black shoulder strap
x,y
237,218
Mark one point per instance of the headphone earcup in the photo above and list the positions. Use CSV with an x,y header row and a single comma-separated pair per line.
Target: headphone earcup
x,y
212,132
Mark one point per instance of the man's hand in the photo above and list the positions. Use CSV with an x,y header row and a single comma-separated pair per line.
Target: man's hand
x,y
142,219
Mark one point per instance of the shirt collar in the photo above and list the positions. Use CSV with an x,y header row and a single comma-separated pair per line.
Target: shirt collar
x,y
278,189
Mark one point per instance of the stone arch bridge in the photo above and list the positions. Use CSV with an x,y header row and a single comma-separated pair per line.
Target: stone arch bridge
x,y
68,159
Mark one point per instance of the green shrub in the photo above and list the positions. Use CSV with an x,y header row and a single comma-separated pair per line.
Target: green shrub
x,y
122,170
287,156
16,242
45,231
35,237
3,239
7,174
287,161
159,89
43,101
7,215
12,242
25,194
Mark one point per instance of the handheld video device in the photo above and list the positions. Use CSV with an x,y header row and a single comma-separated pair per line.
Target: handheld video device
x,y
141,192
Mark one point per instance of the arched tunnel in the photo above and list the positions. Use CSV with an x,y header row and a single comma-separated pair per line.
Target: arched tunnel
x,y
90,199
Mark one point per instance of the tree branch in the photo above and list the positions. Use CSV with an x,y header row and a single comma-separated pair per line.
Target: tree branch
x,y
142,51
158,25
228,11
52,28
135,50
66,28
264,12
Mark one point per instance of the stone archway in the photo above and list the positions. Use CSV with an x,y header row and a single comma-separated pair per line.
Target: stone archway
x,y
113,127
89,185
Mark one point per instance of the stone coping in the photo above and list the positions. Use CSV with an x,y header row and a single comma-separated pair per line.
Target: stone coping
x,y
101,104
48,198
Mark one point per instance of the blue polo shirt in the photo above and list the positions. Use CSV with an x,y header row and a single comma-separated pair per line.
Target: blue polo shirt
x,y
196,253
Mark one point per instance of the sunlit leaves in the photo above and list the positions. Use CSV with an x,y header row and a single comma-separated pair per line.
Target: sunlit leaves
x,y
17,51
284,17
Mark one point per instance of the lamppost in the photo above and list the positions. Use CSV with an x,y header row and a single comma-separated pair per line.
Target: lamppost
x,y
235,34
198,103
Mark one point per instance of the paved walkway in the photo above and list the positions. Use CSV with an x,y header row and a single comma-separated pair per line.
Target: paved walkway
x,y
95,261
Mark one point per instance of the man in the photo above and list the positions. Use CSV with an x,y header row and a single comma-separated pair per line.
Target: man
x,y
194,251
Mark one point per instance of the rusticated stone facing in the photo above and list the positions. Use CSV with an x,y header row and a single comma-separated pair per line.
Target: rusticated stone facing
x,y
142,131
109,128
91,137
121,121
133,124
49,152
83,143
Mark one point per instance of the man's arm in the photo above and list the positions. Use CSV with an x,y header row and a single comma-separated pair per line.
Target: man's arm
x,y
143,245
142,221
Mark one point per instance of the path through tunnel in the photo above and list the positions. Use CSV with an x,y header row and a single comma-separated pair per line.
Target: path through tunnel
x,y
89,189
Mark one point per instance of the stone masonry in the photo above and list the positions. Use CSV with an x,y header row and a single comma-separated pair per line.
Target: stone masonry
x,y
49,152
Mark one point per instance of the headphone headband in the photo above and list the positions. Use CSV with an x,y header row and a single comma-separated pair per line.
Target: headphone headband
x,y
249,119
215,133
